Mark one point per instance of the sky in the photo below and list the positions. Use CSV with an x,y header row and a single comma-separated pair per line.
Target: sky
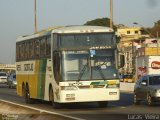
x,y
17,17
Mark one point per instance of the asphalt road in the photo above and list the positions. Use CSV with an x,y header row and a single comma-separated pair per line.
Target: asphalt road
x,y
123,109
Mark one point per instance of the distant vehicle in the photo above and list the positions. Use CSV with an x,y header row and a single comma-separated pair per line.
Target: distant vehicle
x,y
11,81
3,77
147,64
127,78
147,88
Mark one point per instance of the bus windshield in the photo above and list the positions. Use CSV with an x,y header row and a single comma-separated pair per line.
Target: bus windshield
x,y
88,40
84,65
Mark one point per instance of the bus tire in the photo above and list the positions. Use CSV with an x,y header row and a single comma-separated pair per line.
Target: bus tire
x,y
23,90
136,101
150,101
51,99
102,104
27,95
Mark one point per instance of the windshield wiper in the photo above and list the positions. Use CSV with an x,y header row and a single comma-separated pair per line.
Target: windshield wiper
x,y
100,71
83,70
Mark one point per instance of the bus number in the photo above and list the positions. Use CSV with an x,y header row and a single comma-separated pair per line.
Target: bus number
x,y
18,67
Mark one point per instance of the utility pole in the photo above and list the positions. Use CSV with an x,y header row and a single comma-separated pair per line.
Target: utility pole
x,y
35,17
111,13
157,44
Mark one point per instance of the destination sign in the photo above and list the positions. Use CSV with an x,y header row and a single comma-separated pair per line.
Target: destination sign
x,y
100,47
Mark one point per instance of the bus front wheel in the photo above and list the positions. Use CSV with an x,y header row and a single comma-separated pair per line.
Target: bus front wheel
x,y
51,99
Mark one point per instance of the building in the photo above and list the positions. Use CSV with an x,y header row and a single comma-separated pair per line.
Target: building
x,y
7,67
127,34
130,39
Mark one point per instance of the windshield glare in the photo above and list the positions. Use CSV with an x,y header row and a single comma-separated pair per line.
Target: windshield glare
x,y
86,40
81,65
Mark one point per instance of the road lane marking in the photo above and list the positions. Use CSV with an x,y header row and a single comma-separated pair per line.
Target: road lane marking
x,y
123,107
41,111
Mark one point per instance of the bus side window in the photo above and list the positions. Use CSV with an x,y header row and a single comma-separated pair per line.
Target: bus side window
x,y
43,47
55,41
18,52
22,51
26,52
31,49
56,66
48,46
37,48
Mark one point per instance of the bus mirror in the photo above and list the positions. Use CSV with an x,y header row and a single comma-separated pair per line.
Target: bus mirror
x,y
143,83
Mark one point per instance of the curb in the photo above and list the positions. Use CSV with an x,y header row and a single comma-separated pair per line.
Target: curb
x,y
40,110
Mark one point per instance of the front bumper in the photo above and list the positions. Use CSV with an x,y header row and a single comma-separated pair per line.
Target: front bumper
x,y
93,95
156,96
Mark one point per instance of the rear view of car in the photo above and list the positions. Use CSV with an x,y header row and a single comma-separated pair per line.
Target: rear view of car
x,y
11,81
147,88
3,77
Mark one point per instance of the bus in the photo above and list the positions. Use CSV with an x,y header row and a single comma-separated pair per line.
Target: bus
x,y
68,64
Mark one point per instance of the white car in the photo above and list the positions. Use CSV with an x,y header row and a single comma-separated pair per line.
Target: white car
x,y
11,81
3,77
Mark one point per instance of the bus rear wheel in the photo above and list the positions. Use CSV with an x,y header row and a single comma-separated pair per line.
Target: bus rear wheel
x,y
26,94
51,99
136,102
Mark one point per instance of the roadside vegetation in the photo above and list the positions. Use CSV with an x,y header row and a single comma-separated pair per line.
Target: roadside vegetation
x,y
154,31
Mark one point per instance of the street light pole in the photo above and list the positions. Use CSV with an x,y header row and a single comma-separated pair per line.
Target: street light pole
x,y
111,13
35,17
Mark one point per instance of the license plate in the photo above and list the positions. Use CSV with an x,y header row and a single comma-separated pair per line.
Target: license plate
x,y
112,93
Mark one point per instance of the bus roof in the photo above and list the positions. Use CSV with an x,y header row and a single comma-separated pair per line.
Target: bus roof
x,y
82,29
66,29
41,33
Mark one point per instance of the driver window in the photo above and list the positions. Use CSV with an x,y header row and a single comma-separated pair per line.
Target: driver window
x,y
56,66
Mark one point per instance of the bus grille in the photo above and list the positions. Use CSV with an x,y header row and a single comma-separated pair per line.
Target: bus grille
x,y
91,86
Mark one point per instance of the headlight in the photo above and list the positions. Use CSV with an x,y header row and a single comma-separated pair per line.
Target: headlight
x,y
114,75
113,84
15,83
68,88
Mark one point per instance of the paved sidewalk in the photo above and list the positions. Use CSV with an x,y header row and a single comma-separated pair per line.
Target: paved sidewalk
x,y
14,112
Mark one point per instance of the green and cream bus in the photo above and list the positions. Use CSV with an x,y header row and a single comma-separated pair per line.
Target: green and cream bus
x,y
67,65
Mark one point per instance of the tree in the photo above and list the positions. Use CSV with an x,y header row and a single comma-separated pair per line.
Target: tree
x,y
155,30
157,23
99,22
